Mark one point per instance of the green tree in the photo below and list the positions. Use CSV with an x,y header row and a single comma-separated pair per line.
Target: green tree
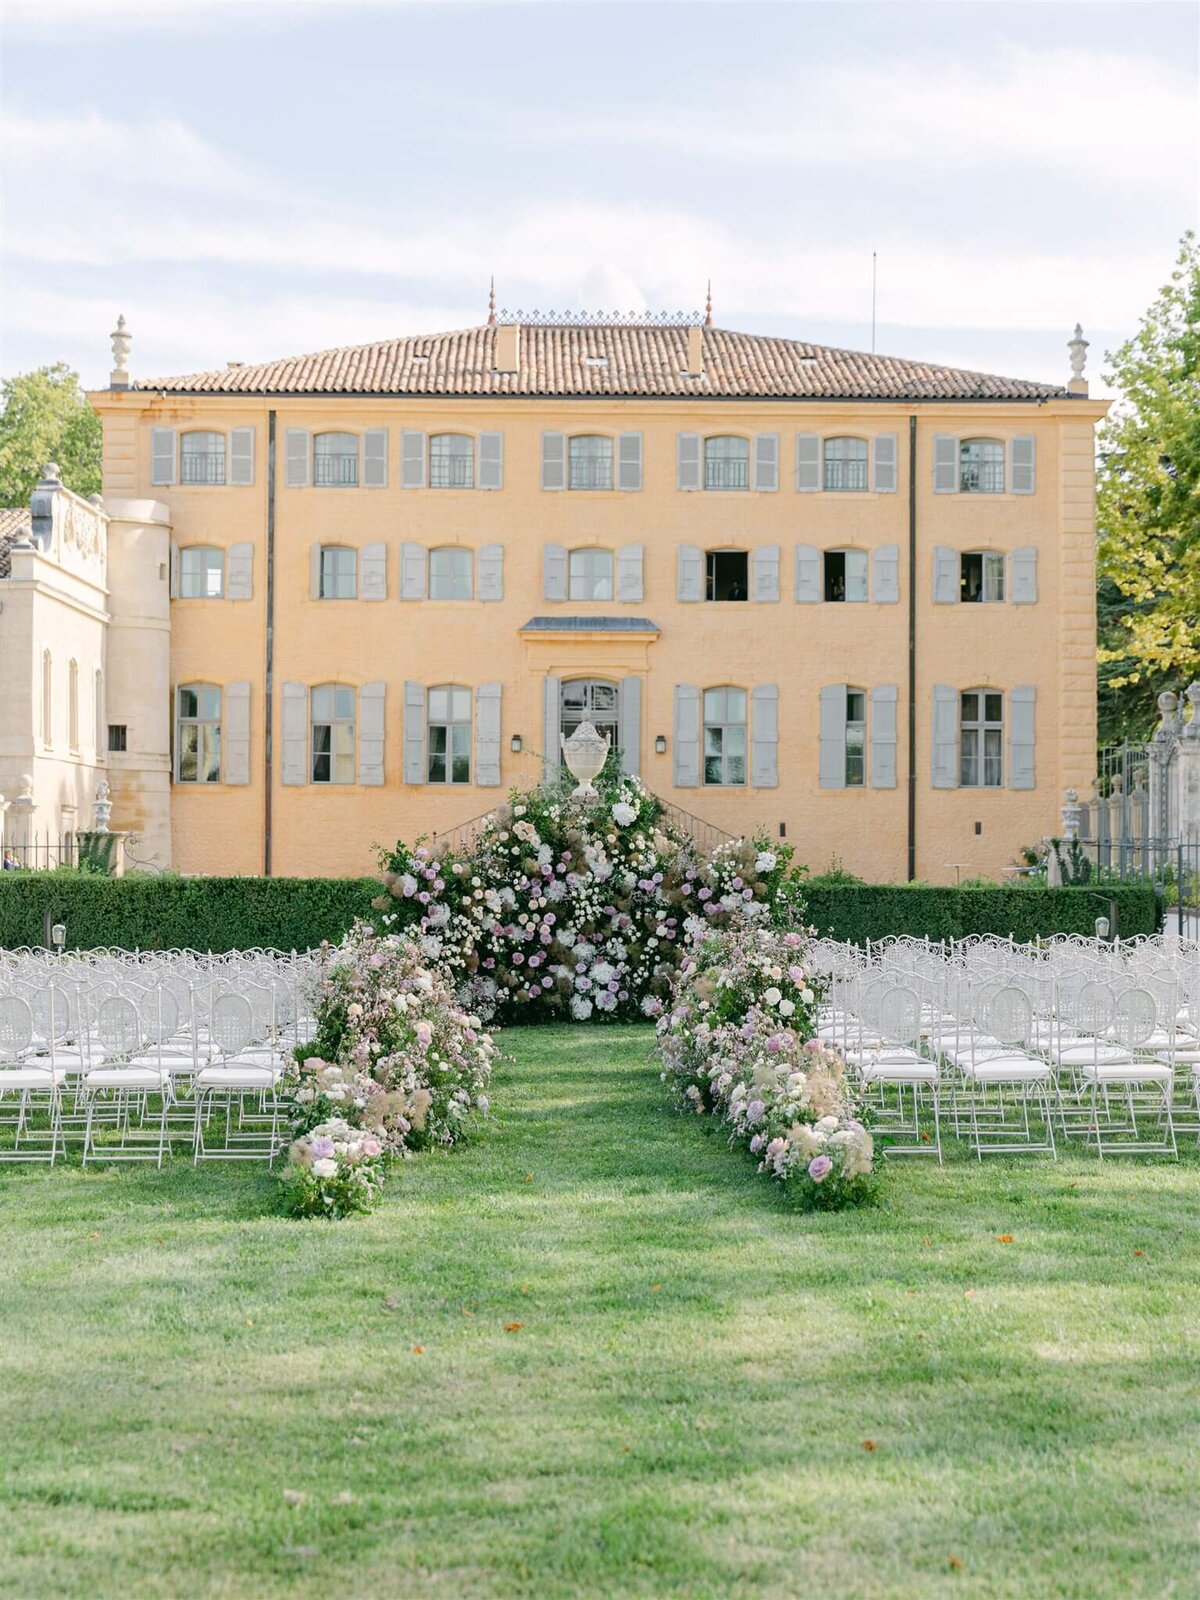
x,y
46,418
1148,509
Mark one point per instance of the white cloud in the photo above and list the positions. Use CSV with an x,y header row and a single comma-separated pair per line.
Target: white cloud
x,y
66,149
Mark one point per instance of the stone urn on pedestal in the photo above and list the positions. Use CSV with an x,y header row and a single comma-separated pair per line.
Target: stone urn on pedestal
x,y
585,753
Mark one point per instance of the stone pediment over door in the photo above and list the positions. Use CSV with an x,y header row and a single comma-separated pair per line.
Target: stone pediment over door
x,y
607,646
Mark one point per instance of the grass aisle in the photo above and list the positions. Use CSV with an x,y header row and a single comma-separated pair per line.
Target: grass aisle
x,y
592,1355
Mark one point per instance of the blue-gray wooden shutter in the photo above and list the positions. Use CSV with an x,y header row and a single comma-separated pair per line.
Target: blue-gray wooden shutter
x,y
764,736
235,733
886,453
491,461
764,573
554,460
239,571
947,576
687,461
162,455
296,450
808,574
372,571
945,464
1022,737
690,572
944,737
173,587
551,728
857,566
630,560
766,462
241,456
372,699
489,572
808,462
487,735
687,736
831,758
314,571
1022,464
629,461
414,732
629,725
885,574
293,762
1022,577
412,459
883,736
375,462
414,567
554,572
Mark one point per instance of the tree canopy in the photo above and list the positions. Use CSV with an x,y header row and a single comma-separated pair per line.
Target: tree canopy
x,y
45,417
1148,509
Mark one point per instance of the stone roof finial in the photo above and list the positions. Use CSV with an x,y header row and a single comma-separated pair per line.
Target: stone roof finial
x,y
118,378
491,321
1078,346
708,321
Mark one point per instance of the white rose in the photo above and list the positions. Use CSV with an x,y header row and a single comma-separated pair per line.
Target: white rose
x,y
326,1167
786,1008
765,861
623,813
773,996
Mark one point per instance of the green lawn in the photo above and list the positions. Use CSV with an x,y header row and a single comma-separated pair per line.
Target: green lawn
x,y
199,1398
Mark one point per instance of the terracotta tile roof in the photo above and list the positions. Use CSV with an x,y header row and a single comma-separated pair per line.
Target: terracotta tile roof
x,y
600,359
14,524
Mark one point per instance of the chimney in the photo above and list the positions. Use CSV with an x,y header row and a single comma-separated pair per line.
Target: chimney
x,y
695,364
507,348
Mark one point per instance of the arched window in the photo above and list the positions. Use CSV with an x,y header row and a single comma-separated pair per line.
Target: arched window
x,y
981,466
198,733
725,737
589,700
339,572
845,464
451,461
73,705
47,699
590,574
98,710
201,572
590,461
451,573
726,462
981,739
332,708
449,741
335,460
845,575
202,458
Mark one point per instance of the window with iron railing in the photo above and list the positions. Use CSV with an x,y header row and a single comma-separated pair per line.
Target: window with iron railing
x,y
845,464
981,466
451,461
590,462
202,458
335,460
726,462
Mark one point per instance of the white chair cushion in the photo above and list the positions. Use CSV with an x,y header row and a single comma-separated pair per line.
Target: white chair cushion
x,y
1007,1069
238,1076
1127,1071
1087,1055
913,1070
130,1077
30,1077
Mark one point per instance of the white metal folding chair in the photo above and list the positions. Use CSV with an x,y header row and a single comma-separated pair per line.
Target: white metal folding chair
x,y
36,1083
239,1075
128,1078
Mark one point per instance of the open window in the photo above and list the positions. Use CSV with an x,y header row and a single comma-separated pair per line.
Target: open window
x,y
982,576
845,575
728,575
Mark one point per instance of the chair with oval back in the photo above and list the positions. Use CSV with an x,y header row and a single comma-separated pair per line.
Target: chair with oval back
x,y
37,1084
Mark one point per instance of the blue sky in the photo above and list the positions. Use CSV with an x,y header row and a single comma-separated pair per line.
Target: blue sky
x,y
254,179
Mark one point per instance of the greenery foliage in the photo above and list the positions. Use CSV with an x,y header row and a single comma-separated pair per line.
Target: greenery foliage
x,y
45,417
879,910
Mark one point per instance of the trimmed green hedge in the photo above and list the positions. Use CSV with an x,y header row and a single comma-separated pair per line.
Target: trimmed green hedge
x,y
858,912
219,914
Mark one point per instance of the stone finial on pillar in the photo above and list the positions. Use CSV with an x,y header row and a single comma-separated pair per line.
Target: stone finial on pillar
x,y
118,378
1167,703
1071,812
102,807
1078,346
1191,728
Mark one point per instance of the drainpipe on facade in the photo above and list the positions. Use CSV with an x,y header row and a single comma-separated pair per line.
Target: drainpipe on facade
x,y
912,648
269,683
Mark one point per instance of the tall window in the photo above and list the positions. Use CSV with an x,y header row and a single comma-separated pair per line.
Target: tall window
x,y
339,572
98,710
981,739
845,575
590,574
981,466
589,700
47,699
724,736
333,733
590,462
451,573
449,743
726,463
335,460
845,464
73,705
727,575
202,458
201,572
856,738
198,734
982,575
451,461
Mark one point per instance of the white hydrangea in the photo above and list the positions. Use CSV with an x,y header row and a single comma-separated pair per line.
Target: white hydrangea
x,y
623,813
